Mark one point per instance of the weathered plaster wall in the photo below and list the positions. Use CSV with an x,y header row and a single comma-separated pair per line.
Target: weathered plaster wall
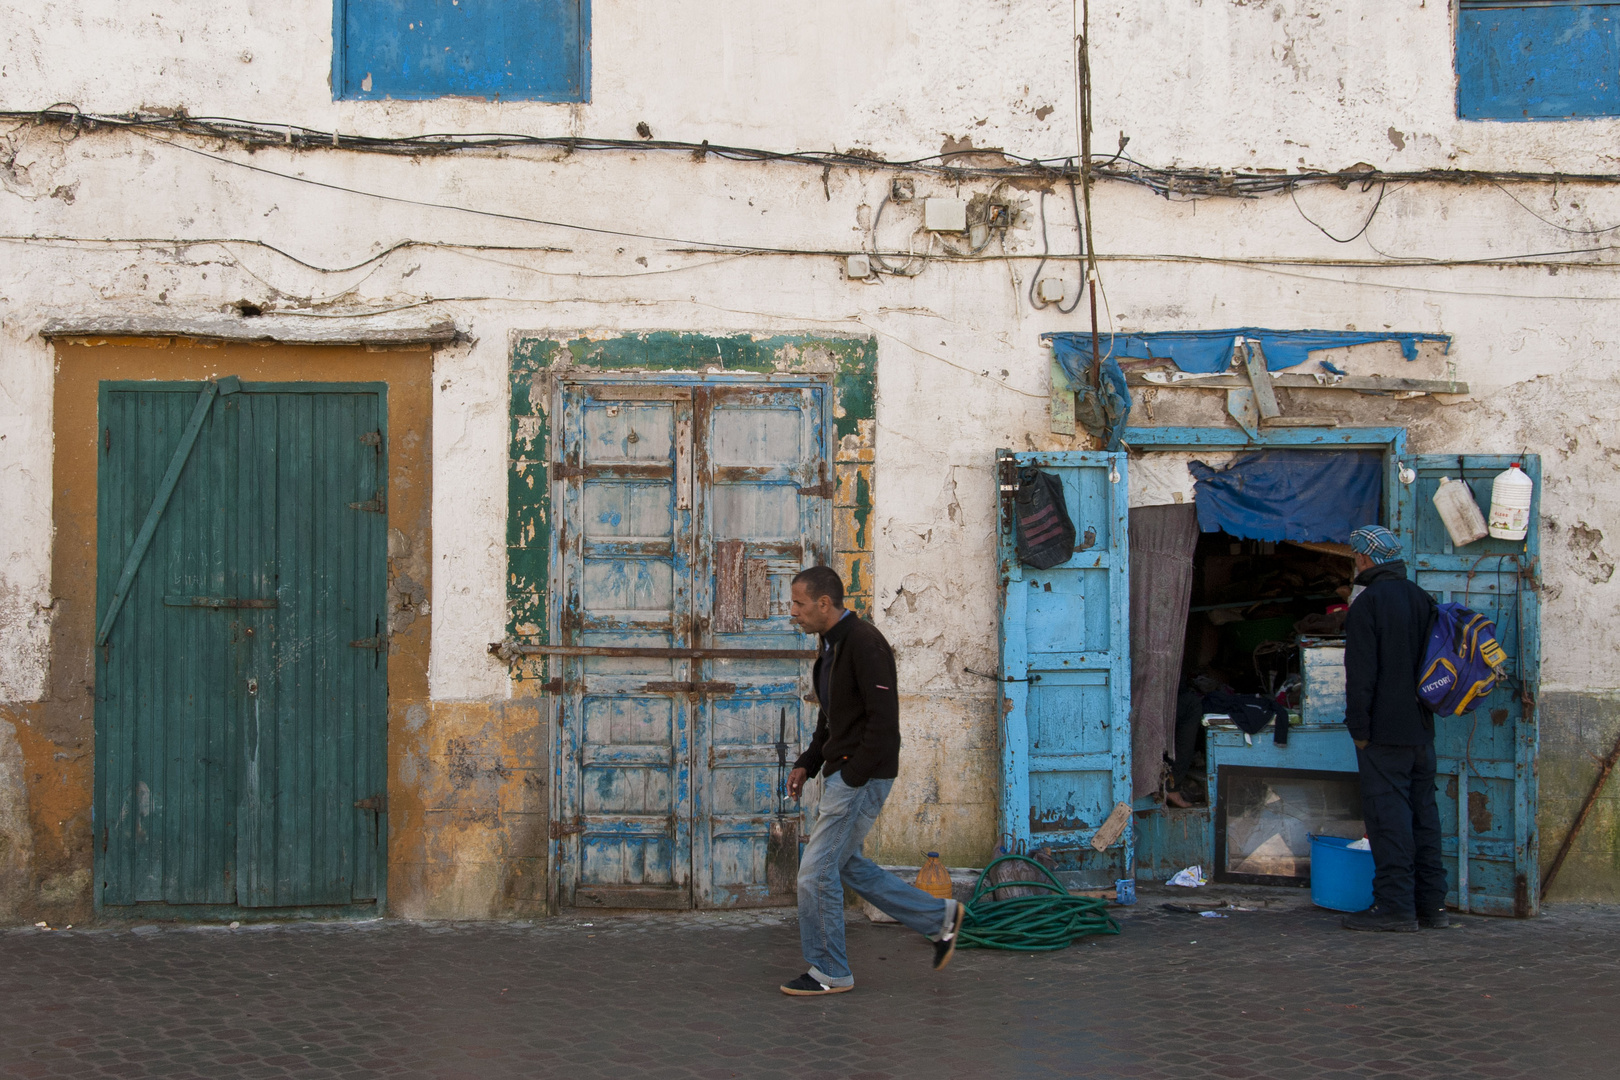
x,y
960,370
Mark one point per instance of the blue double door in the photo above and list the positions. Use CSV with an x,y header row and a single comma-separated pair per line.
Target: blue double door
x,y
686,507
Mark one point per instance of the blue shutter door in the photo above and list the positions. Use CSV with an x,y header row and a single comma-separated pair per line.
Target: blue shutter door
x,y
1487,766
500,50
1537,60
1065,668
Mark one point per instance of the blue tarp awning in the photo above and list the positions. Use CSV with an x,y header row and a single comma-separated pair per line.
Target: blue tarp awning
x,y
1208,351
1309,495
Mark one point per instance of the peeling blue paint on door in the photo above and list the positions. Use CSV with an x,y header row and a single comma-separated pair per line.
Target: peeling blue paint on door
x,y
1065,666
687,507
1487,758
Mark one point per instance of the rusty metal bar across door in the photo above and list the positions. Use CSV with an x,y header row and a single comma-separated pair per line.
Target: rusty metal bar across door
x,y
508,649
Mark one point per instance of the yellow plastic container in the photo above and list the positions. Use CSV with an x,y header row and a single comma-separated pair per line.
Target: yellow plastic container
x,y
933,878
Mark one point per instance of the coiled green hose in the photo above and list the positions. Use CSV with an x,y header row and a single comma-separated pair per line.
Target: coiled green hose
x,y
1031,923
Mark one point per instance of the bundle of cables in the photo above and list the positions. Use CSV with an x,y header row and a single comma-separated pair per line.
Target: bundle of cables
x,y
1049,919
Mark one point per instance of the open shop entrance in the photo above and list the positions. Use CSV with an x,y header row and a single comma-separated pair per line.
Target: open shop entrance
x,y
1238,606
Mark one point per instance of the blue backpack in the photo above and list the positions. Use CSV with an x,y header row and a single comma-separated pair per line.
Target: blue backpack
x,y
1462,662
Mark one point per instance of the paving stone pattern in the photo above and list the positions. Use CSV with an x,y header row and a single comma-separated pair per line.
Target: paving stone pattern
x,y
1277,994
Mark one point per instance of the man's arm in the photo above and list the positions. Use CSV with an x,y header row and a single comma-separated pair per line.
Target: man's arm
x,y
811,760
875,680
1360,670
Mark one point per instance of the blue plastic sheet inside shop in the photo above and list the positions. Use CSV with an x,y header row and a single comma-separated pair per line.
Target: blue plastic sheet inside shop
x,y
1206,351
1309,495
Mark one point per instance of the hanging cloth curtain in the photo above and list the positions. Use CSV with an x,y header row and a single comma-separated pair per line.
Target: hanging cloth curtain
x,y
1162,543
1310,495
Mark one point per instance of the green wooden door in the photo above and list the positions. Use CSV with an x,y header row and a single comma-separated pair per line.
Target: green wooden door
x,y
241,661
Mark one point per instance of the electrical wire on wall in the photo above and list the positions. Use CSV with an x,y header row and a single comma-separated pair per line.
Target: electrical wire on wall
x,y
1179,182
1046,250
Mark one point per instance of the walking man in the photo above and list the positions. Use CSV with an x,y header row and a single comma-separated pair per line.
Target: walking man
x,y
856,749
1385,636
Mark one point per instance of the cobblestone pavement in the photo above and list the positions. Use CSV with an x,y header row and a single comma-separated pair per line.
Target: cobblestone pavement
x,y
1274,993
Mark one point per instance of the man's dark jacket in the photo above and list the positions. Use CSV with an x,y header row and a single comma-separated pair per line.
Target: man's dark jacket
x,y
858,731
1385,637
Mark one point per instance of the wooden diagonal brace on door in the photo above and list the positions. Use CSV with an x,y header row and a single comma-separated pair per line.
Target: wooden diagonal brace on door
x,y
230,384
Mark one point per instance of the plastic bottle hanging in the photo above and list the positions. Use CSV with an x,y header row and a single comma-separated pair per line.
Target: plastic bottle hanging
x,y
1511,494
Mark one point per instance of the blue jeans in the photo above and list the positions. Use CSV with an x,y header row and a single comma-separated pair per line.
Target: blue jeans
x,y
833,859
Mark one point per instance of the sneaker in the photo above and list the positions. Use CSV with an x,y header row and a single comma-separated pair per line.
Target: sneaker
x,y
807,985
1375,918
1435,920
945,947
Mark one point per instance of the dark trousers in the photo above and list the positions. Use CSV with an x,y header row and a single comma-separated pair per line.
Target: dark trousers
x,y
1403,825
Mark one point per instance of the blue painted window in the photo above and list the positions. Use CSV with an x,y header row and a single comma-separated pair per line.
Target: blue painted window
x,y
1538,59
507,50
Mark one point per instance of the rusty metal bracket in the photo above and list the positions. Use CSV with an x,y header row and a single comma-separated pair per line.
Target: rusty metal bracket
x,y
560,829
690,688
377,504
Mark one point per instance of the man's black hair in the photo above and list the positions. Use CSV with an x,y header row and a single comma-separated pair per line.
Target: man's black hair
x,y
822,581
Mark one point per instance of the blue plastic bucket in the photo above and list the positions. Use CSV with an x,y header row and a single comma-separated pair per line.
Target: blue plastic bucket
x,y
1341,876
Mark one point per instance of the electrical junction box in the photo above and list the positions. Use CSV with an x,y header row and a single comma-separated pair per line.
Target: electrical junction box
x,y
1051,289
945,215
857,267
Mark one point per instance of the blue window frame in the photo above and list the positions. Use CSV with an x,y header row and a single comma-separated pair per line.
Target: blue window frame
x,y
1538,59
501,50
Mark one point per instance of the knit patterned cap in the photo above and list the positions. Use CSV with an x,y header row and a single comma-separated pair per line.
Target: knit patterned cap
x,y
1377,543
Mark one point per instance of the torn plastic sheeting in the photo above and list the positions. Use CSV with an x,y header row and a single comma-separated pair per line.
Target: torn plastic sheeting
x,y
1306,495
1104,415
1207,351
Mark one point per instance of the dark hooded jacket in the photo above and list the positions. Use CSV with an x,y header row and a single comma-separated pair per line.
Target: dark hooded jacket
x,y
858,731
1386,635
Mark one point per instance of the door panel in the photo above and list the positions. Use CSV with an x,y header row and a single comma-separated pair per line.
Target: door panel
x,y
683,521
1065,668
1487,758
625,545
757,449
236,725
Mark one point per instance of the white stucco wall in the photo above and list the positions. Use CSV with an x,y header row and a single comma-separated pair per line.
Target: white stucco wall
x,y
174,226
1242,85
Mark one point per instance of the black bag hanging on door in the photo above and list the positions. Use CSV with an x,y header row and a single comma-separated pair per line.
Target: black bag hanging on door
x,y
1045,533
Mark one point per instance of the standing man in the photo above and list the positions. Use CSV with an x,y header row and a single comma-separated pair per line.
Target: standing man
x,y
857,751
1385,636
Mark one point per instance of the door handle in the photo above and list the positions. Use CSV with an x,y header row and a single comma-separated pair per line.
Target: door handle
x,y
377,804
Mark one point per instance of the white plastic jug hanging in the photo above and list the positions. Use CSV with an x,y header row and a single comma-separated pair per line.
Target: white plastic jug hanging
x,y
1510,504
1459,512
